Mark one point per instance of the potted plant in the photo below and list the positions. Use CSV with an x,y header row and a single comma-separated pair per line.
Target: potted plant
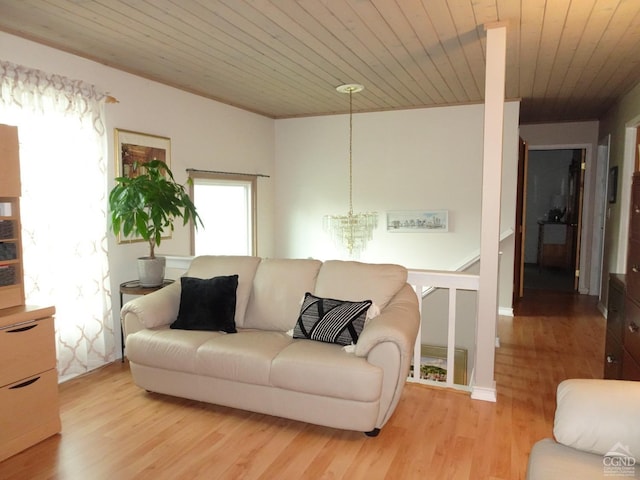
x,y
147,205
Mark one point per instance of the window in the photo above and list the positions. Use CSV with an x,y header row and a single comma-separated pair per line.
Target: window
x,y
226,205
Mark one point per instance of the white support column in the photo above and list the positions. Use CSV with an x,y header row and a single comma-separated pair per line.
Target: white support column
x,y
484,385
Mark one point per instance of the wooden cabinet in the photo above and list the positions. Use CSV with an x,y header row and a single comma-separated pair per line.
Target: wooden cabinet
x,y
622,344
630,368
555,245
10,161
29,410
633,252
11,276
613,352
622,355
631,341
631,330
11,286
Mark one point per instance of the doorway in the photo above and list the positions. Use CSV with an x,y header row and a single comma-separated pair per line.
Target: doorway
x,y
552,217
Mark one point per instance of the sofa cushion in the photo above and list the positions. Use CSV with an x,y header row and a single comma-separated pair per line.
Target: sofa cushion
x,y
357,281
169,349
207,304
278,287
581,421
207,266
245,357
329,320
552,461
325,369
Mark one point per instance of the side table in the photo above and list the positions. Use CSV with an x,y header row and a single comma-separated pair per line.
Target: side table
x,y
133,287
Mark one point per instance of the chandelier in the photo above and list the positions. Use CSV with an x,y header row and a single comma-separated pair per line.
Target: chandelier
x,y
352,231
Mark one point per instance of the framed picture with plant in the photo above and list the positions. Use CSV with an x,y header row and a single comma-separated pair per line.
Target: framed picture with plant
x,y
133,150
146,199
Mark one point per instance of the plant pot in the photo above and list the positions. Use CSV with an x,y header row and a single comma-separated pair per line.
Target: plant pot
x,y
151,271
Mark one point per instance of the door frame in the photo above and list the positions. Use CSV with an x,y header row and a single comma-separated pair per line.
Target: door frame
x,y
586,265
520,228
601,214
577,248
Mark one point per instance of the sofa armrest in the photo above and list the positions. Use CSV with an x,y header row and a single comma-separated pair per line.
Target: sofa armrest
x,y
387,341
598,416
397,323
152,310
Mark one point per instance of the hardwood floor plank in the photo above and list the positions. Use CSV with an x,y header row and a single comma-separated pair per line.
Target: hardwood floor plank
x,y
293,462
112,429
328,465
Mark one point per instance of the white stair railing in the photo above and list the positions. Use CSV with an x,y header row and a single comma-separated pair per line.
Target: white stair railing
x,y
427,280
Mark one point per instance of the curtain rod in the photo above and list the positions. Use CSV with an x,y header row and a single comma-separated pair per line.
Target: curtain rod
x,y
228,173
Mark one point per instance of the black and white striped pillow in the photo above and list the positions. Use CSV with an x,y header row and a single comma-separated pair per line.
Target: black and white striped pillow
x,y
331,321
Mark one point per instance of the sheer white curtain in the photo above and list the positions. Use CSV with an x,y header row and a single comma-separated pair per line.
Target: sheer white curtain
x,y
63,207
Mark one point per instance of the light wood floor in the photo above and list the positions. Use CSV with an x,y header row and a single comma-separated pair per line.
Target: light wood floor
x,y
116,431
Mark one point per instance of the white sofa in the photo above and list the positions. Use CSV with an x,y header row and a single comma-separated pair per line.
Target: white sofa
x,y
596,430
262,368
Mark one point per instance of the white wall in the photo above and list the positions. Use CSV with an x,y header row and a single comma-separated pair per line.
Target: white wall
x,y
575,135
204,134
620,122
422,159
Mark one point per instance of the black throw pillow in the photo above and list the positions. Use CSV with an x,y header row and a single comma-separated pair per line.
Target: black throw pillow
x,y
207,304
331,321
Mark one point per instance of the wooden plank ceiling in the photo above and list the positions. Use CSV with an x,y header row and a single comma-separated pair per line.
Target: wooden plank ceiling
x,y
566,59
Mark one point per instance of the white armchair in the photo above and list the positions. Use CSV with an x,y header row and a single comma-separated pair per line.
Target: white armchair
x,y
596,430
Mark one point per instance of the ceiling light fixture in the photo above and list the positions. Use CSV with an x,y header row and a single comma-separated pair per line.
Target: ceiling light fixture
x,y
352,231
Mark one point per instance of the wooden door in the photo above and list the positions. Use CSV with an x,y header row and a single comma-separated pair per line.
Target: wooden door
x,y
574,208
521,199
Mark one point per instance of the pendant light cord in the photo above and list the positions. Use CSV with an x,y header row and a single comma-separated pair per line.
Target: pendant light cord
x,y
350,152
351,231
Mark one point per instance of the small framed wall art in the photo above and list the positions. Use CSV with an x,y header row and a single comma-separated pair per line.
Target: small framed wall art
x,y
418,221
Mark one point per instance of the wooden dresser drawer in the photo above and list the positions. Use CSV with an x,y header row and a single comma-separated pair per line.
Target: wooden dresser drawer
x,y
615,309
631,340
630,368
28,412
634,220
26,349
633,270
613,355
24,313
